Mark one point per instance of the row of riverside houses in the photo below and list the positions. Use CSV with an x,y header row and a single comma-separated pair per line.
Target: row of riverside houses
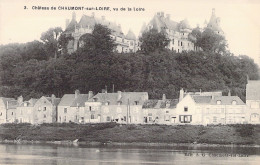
x,y
197,108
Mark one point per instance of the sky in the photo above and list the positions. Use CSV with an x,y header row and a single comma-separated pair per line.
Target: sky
x,y
240,19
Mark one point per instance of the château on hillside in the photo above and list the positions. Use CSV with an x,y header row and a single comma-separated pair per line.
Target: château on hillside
x,y
179,33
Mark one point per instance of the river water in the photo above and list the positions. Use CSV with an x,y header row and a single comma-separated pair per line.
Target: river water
x,y
24,154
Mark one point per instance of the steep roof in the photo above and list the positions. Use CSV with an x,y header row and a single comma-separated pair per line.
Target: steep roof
x,y
55,102
227,100
253,90
12,103
130,35
114,98
71,100
214,22
71,27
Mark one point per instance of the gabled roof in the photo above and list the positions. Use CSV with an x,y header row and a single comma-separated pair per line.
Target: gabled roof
x,y
227,100
55,102
253,90
12,103
114,99
30,103
72,101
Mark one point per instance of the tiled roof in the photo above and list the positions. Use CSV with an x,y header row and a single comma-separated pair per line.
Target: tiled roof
x,y
90,21
227,100
201,99
55,102
168,103
150,103
12,103
253,90
30,103
71,100
113,98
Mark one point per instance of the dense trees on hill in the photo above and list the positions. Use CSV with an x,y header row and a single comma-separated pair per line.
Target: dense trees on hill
x,y
32,70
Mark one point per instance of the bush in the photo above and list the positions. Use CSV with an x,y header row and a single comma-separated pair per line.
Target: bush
x,y
245,130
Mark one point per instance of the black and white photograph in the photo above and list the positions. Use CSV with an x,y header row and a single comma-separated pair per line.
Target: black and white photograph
x,y
115,82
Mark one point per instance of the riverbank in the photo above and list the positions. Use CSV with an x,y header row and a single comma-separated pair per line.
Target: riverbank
x,y
116,134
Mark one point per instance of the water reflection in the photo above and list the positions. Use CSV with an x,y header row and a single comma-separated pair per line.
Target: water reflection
x,y
63,155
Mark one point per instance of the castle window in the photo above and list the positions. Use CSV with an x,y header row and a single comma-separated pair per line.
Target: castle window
x,y
185,109
178,44
92,116
89,108
1,114
65,110
44,116
12,113
44,108
178,50
173,41
181,43
131,43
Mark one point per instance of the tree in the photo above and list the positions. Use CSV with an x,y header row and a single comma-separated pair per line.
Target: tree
x,y
99,42
153,40
212,42
50,39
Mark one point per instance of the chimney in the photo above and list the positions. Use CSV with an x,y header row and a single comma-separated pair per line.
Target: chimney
x,y
67,23
53,97
181,94
90,94
93,14
7,105
20,100
119,95
229,93
168,16
103,18
163,97
74,16
77,93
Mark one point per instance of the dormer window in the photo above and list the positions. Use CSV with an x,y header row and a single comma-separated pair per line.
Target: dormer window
x,y
119,103
136,102
95,99
25,104
107,103
234,102
218,102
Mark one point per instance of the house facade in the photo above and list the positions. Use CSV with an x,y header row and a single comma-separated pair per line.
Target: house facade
x,y
7,110
120,107
211,109
160,111
253,101
46,109
71,106
25,111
